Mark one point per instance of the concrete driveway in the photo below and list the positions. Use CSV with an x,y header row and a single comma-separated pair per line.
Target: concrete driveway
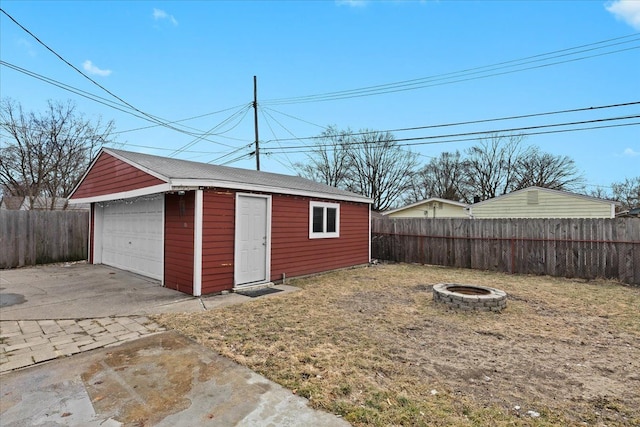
x,y
75,291
91,357
160,380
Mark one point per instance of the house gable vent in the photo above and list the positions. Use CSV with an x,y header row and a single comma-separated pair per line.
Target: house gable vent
x,y
532,197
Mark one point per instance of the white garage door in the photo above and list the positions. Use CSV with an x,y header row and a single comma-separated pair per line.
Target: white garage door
x,y
132,236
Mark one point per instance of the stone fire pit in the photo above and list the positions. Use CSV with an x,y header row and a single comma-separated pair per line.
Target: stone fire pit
x,y
470,297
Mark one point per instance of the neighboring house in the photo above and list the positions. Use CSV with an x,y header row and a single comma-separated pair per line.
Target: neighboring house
x,y
40,203
201,228
631,213
538,202
430,208
13,203
376,215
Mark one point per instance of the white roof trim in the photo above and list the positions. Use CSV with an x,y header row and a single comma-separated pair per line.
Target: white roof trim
x,y
234,185
180,184
432,199
547,190
160,188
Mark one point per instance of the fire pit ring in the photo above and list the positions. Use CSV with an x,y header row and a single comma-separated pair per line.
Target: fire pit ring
x,y
470,297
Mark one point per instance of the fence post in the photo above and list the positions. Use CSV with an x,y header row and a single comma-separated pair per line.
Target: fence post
x,y
513,254
558,247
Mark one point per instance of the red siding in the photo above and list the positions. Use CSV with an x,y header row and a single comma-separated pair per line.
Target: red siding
x,y
218,233
179,217
293,253
111,175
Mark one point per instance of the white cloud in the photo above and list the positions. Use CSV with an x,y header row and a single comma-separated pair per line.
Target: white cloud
x,y
630,152
28,47
351,3
92,69
159,14
626,10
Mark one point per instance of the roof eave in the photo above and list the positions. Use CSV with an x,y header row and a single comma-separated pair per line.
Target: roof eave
x,y
139,192
182,184
234,185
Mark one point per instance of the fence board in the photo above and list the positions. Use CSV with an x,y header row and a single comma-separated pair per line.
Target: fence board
x,y
38,237
581,248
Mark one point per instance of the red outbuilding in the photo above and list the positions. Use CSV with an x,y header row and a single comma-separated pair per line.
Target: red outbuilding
x,y
201,228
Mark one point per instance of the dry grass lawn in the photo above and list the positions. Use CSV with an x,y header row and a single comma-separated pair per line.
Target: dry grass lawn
x,y
369,344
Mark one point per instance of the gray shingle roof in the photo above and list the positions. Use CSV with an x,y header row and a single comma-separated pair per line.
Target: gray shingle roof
x,y
176,169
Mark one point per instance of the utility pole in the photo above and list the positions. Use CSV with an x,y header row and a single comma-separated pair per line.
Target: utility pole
x,y
255,120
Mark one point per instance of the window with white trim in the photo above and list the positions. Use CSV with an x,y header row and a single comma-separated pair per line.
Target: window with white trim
x,y
324,220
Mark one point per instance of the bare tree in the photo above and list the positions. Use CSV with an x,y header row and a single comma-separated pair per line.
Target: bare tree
x,y
328,163
627,192
491,165
600,193
368,162
546,170
380,168
443,177
46,154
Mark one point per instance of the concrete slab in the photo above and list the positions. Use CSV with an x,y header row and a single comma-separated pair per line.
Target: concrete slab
x,y
84,291
80,291
163,380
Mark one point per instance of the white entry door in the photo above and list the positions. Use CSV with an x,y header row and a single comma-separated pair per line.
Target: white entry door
x,y
253,242
132,236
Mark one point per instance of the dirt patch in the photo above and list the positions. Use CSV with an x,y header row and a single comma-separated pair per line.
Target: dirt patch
x,y
370,345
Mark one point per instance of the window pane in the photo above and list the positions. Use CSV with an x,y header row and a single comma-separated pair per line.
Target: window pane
x,y
331,220
318,219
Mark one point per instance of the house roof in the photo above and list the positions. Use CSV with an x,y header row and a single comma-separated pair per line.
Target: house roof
x,y
44,203
11,202
183,173
547,190
422,202
630,213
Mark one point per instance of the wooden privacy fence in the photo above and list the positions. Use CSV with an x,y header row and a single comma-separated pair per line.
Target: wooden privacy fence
x,y
581,248
40,237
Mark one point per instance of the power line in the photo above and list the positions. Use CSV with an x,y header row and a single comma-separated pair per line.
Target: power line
x,y
242,157
237,150
264,116
183,120
116,106
85,94
243,111
289,167
546,132
525,131
471,122
278,140
158,148
149,116
288,131
461,76
294,117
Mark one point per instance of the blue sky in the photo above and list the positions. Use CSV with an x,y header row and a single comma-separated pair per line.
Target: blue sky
x,y
461,61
